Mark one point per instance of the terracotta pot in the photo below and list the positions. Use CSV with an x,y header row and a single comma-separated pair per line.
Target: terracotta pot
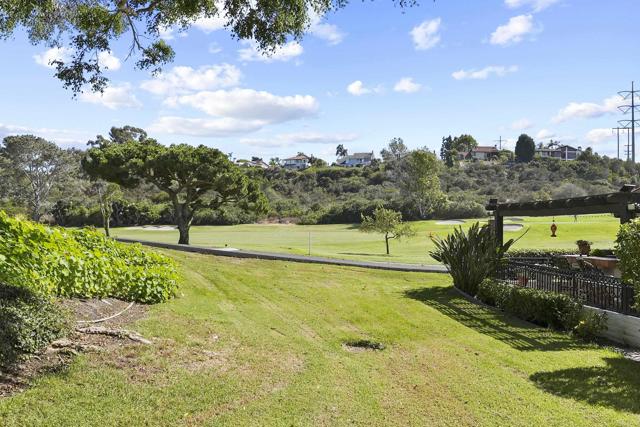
x,y
584,248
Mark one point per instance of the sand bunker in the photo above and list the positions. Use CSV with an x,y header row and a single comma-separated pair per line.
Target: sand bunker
x,y
154,228
450,222
516,219
512,227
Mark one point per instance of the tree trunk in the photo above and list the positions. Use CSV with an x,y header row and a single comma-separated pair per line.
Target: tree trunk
x,y
184,234
105,224
386,241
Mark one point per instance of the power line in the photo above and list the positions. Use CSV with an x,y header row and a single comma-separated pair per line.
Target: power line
x,y
627,145
626,123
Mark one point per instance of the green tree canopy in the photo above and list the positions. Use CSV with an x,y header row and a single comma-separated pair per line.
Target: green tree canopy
x,y
451,147
192,177
33,167
419,183
88,27
387,222
525,149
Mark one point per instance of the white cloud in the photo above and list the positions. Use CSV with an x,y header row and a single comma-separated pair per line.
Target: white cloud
x,y
214,48
545,134
358,88
248,104
62,137
521,124
407,85
182,79
484,73
600,135
536,5
287,139
425,36
109,61
210,24
283,53
113,97
217,128
322,30
54,54
588,109
513,31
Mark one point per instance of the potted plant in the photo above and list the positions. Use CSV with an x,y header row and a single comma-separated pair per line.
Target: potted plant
x,y
584,246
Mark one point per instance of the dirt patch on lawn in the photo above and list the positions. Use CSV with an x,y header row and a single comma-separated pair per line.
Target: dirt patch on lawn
x,y
59,355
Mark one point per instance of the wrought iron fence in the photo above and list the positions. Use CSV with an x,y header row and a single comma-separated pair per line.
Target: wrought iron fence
x,y
592,288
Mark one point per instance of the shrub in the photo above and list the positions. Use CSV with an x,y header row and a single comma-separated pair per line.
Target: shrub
x,y
590,325
28,323
470,257
627,248
81,263
540,253
543,308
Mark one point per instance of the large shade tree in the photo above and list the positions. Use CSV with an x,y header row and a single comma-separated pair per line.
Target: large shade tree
x,y
31,168
192,177
86,28
525,148
419,182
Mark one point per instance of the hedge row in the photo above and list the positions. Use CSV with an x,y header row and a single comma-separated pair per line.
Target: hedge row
x,y
81,263
543,308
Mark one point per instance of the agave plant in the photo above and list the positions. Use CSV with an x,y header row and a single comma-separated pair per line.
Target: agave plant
x,y
470,257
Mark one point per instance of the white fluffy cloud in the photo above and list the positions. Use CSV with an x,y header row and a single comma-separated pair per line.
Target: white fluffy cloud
x,y
54,54
426,35
209,25
62,137
407,85
358,88
484,73
545,134
521,124
283,53
513,31
182,79
113,97
287,139
248,104
325,31
536,5
210,127
588,109
109,61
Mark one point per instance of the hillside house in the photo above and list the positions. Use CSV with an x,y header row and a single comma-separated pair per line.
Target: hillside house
x,y
299,162
480,153
255,162
562,152
356,160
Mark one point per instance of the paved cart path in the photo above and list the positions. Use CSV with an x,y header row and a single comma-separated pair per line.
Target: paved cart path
x,y
291,257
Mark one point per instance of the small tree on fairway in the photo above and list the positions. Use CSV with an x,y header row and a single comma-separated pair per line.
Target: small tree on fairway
x,y
419,182
192,177
106,192
387,222
525,149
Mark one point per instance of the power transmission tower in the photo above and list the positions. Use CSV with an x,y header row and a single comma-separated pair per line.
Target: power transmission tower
x,y
630,95
617,130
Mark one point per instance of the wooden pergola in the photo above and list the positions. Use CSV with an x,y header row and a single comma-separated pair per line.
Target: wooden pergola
x,y
624,204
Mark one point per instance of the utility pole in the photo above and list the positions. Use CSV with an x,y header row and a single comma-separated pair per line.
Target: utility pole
x,y
499,141
618,129
630,95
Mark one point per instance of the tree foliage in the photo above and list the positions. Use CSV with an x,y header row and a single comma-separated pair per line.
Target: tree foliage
x,y
192,177
525,149
89,27
451,147
386,222
420,184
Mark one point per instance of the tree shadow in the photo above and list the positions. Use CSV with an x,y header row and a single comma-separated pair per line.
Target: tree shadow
x,y
616,385
516,333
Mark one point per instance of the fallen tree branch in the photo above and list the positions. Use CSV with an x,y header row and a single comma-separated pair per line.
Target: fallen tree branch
x,y
104,319
118,333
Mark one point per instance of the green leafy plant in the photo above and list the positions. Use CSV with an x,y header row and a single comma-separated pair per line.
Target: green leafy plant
x,y
590,325
543,308
81,263
627,249
28,323
387,222
470,256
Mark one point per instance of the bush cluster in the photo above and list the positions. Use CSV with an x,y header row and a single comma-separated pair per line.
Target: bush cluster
x,y
81,263
627,248
28,323
548,309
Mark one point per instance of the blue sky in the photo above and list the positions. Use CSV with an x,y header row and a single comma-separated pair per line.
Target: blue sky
x,y
365,74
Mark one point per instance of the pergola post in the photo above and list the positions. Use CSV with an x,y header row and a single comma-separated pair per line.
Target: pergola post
x,y
499,228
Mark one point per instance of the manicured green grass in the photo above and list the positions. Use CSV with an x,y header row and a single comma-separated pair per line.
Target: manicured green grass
x,y
345,241
261,343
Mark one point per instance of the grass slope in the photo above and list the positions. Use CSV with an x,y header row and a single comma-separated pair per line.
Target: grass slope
x,y
260,343
345,241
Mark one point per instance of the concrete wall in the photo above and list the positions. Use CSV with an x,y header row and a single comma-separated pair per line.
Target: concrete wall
x,y
621,328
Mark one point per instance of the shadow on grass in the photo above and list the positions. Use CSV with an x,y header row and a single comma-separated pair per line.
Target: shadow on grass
x,y
512,331
616,385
